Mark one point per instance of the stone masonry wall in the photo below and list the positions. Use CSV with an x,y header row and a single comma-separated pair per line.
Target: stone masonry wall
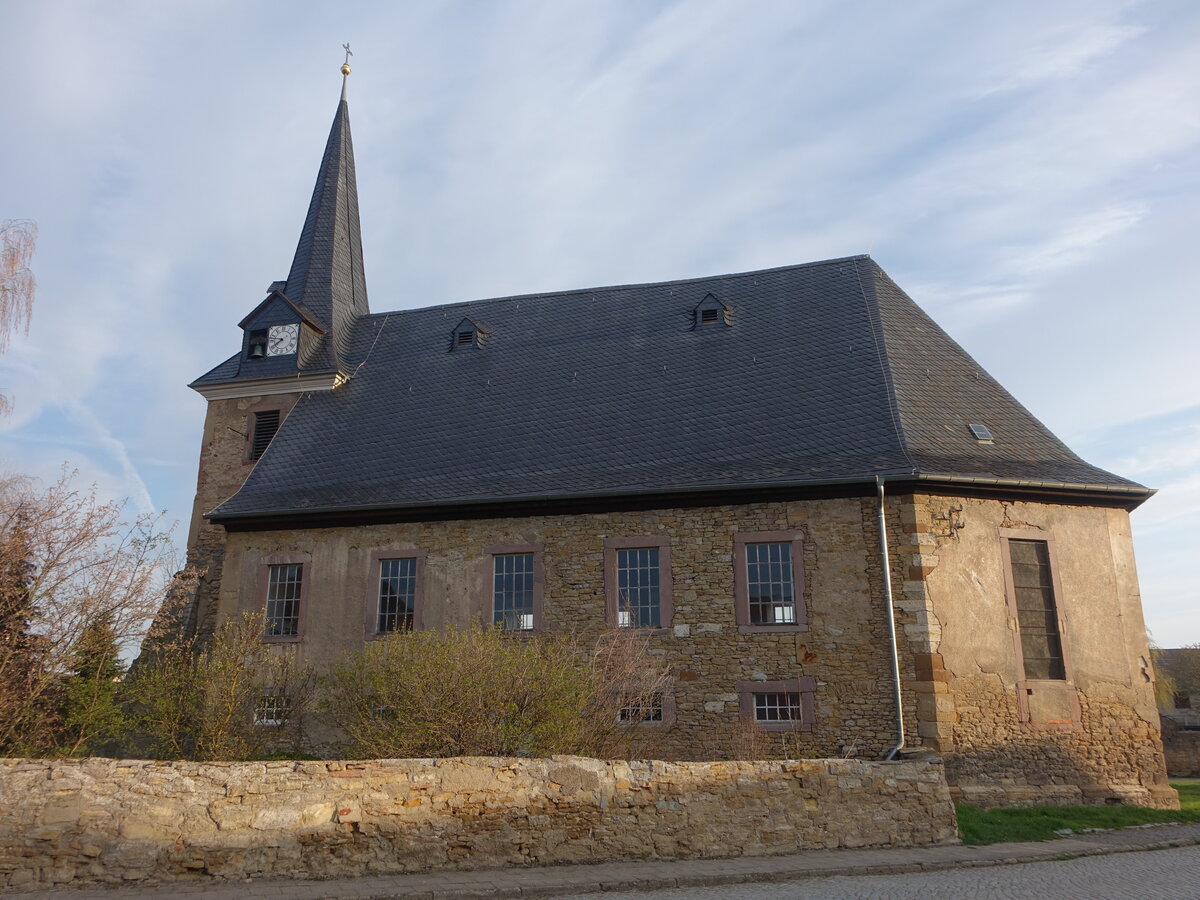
x,y
1182,750
1092,738
123,821
224,467
845,648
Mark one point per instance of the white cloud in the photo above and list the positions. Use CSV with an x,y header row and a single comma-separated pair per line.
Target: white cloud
x,y
1027,171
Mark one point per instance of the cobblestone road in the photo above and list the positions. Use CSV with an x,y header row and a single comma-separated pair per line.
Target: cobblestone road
x,y
1146,875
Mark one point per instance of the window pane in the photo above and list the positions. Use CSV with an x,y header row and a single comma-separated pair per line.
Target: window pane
x,y
283,600
770,584
777,707
648,709
638,597
271,711
512,591
397,595
1037,614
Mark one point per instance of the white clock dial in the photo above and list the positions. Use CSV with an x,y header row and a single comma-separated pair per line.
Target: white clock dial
x,y
282,340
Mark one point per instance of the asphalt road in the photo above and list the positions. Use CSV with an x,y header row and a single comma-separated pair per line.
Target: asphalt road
x,y
1144,875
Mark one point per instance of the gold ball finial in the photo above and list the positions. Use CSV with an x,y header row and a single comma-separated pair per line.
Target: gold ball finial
x,y
345,68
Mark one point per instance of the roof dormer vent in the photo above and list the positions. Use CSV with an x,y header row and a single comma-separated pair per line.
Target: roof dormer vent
x,y
711,313
467,335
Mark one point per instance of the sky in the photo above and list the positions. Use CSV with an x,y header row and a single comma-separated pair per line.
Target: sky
x,y
1027,171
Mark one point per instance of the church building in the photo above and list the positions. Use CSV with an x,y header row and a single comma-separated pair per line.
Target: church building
x,y
823,514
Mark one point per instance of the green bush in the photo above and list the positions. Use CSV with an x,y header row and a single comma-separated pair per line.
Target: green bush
x,y
486,692
231,698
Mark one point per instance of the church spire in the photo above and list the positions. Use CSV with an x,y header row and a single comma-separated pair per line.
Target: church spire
x,y
327,277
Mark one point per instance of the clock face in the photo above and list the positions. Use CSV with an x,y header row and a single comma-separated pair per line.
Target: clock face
x,y
282,340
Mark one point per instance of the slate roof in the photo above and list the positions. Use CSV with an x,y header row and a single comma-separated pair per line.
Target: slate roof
x,y
827,372
326,284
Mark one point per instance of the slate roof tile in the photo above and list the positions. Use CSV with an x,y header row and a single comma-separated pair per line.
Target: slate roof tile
x,y
829,372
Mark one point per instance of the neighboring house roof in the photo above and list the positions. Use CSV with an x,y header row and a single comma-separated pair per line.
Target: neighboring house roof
x,y
816,373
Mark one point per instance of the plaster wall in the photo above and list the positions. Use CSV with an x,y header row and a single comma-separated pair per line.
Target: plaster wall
x,y
1091,738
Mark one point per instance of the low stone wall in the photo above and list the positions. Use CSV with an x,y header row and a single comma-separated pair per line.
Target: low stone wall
x,y
103,820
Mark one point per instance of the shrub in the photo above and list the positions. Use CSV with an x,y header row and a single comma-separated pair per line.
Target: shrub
x,y
485,692
232,697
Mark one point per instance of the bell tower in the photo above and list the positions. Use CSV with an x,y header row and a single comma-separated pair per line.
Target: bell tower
x,y
294,343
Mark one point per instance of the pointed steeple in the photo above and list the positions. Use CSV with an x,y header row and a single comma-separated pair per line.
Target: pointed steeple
x,y
327,277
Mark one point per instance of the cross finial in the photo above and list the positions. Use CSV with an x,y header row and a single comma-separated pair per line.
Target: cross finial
x,y
345,68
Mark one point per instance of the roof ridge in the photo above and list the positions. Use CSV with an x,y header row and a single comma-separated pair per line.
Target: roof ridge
x,y
880,339
621,287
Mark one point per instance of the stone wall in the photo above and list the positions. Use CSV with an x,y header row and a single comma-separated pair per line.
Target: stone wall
x,y
1092,738
845,649
224,466
121,821
1182,750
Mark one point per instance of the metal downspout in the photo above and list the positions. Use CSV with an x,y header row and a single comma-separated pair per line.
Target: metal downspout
x,y
891,623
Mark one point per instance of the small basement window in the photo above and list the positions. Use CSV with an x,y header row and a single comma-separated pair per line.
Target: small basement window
x,y
781,706
642,709
266,423
271,711
981,433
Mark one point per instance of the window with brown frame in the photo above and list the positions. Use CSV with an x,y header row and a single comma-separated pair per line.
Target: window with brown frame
x,y
284,583
769,582
282,588
779,705
394,592
637,582
396,606
515,581
1036,610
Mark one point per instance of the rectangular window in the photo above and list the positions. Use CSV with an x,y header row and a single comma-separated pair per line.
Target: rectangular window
x,y
638,588
769,581
266,423
284,583
770,589
1183,701
648,709
777,707
1037,612
397,595
271,711
513,591
637,582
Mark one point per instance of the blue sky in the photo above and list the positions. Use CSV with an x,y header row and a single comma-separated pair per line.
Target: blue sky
x,y
1027,171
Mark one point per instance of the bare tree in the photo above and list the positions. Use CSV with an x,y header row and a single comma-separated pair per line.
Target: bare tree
x,y
66,561
17,284
18,237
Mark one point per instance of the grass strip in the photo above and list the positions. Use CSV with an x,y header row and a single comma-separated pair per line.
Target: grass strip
x,y
1039,823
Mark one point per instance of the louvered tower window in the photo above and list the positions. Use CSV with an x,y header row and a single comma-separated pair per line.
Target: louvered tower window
x,y
266,423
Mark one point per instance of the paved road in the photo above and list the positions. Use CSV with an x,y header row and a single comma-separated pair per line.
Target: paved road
x,y
1146,875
